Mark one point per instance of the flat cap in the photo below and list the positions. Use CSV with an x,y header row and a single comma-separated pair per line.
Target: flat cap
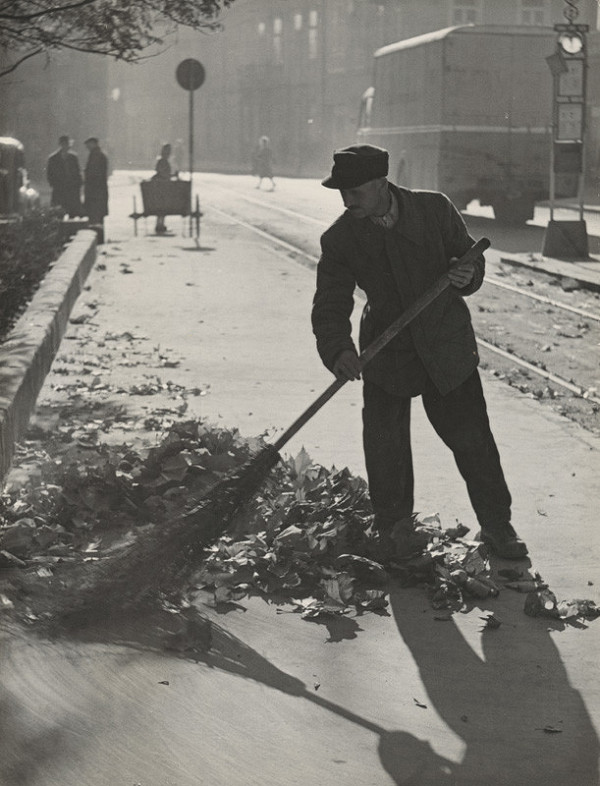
x,y
355,165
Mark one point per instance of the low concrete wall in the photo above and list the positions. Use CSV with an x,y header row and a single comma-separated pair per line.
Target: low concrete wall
x,y
30,348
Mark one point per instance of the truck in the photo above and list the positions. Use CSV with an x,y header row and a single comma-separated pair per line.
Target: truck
x,y
468,111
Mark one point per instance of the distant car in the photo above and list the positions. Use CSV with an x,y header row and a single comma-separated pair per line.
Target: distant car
x,y
16,195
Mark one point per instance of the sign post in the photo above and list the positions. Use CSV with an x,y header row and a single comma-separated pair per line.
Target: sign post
x,y
190,75
568,239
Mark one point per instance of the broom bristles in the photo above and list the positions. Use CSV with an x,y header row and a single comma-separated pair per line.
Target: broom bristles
x,y
161,560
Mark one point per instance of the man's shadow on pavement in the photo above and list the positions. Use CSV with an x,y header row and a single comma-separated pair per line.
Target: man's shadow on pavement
x,y
519,717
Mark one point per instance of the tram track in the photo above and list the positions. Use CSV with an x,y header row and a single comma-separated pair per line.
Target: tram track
x,y
490,344
312,259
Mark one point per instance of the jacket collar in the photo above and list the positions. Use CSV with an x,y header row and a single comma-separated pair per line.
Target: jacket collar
x,y
410,224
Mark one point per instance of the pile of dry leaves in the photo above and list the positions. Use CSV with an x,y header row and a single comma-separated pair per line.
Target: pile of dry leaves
x,y
305,540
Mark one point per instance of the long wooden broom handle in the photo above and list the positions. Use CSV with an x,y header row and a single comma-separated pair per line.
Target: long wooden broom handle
x,y
388,334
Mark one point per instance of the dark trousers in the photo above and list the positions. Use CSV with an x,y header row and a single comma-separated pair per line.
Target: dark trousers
x,y
461,421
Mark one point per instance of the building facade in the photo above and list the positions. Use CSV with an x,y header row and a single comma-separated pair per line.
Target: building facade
x,y
293,70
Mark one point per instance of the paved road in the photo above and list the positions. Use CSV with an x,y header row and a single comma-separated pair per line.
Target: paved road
x,y
370,701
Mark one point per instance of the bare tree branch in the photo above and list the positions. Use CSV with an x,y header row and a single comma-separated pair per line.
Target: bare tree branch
x,y
122,29
46,11
25,57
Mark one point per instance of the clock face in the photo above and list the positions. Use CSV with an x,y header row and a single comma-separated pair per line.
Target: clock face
x,y
571,43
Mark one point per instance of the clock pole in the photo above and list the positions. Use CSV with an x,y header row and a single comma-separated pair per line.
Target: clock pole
x,y
568,239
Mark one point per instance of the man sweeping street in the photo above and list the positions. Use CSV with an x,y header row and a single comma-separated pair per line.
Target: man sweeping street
x,y
394,243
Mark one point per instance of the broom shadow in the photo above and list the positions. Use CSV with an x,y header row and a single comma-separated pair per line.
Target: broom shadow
x,y
403,756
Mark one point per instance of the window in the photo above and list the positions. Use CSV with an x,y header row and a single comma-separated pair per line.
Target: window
x,y
297,21
261,28
534,12
313,33
277,46
337,38
466,12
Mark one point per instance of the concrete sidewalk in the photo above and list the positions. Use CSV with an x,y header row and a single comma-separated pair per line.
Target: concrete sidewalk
x,y
365,701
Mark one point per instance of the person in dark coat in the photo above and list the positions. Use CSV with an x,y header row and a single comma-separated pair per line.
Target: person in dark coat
x,y
262,162
162,171
394,243
95,184
64,176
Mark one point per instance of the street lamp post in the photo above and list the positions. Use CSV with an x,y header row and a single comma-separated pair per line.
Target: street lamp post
x,y
190,75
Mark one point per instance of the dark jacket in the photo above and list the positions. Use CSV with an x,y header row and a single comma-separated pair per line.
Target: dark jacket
x,y
262,162
394,268
95,187
64,175
162,169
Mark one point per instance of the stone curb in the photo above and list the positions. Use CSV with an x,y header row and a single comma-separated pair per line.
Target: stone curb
x,y
586,273
27,354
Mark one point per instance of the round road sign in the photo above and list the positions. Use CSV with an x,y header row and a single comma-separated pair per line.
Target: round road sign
x,y
190,74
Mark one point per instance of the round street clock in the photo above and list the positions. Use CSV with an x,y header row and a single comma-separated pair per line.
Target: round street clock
x,y
571,43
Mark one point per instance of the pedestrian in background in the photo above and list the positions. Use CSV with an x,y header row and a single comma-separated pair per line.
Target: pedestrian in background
x,y
262,162
95,186
162,172
64,176
394,244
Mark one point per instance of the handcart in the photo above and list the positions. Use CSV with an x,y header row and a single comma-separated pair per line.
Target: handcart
x,y
167,198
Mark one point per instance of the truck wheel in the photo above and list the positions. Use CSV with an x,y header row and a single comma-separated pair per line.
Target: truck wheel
x,y
513,212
